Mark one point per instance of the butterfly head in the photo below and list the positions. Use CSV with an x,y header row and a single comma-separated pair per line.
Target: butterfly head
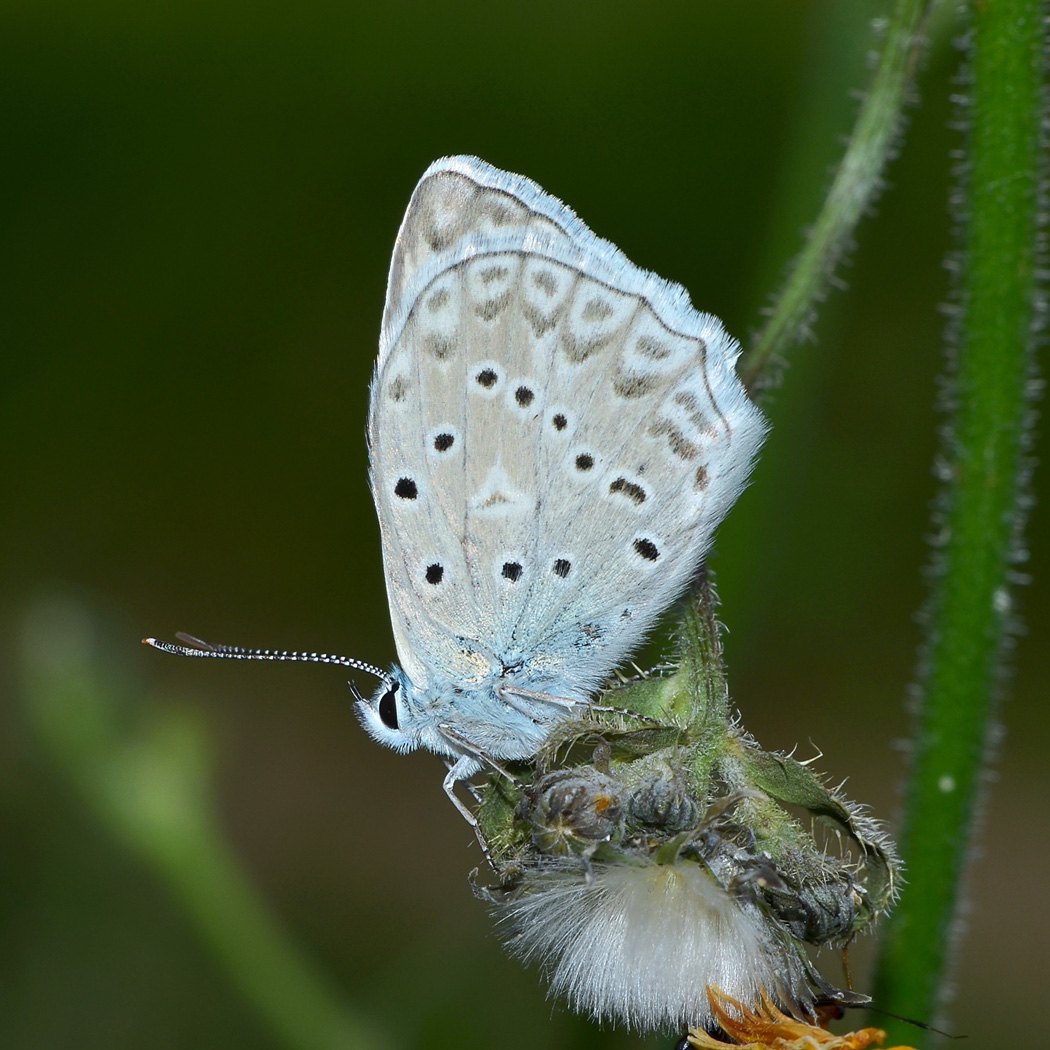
x,y
386,716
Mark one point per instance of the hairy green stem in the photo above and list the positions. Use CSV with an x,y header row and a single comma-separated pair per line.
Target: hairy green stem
x,y
981,514
855,186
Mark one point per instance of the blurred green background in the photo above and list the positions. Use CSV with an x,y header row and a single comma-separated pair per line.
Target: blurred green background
x,y
197,207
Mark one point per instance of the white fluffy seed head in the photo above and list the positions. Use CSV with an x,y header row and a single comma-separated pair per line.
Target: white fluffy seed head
x,y
640,945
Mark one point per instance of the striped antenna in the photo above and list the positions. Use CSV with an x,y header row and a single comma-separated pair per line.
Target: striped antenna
x,y
197,647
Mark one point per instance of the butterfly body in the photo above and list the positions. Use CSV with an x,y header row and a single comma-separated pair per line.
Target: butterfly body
x,y
555,434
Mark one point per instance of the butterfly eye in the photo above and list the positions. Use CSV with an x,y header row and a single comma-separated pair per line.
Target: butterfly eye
x,y
388,709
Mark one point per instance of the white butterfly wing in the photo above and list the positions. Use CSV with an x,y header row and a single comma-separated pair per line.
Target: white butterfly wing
x,y
555,435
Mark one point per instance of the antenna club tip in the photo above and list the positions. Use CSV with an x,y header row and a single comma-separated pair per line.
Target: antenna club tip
x,y
149,641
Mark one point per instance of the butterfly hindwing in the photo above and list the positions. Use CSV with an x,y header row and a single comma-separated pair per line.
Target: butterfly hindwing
x,y
555,435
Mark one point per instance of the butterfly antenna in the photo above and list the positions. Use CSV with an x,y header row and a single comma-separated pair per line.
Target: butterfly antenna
x,y
910,1020
197,647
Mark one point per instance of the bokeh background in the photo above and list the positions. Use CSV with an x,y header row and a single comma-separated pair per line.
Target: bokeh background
x,y
197,207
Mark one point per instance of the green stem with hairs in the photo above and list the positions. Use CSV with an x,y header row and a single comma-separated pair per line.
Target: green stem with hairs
x,y
855,186
981,515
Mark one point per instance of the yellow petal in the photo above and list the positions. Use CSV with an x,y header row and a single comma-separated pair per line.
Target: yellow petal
x,y
766,1027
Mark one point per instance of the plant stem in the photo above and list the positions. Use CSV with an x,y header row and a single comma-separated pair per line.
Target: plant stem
x,y
982,510
149,785
855,186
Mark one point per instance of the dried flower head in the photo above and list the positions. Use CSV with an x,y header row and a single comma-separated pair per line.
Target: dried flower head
x,y
641,865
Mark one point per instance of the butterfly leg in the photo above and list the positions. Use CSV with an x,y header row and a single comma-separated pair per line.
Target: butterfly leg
x,y
459,771
474,759
508,692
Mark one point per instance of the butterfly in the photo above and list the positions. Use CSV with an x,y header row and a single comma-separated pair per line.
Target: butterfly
x,y
555,434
